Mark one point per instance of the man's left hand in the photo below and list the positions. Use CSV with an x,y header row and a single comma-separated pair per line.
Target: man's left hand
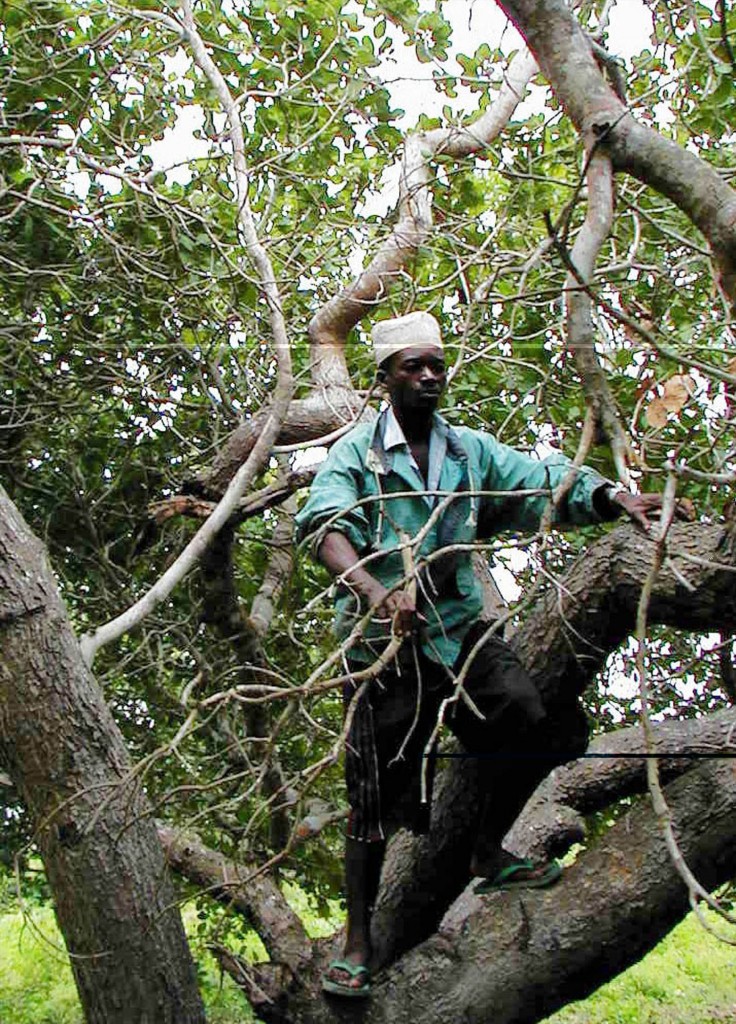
x,y
642,508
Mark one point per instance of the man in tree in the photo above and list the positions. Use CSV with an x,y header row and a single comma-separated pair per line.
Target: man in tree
x,y
411,480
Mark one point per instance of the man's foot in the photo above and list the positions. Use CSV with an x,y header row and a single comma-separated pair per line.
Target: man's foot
x,y
519,874
343,978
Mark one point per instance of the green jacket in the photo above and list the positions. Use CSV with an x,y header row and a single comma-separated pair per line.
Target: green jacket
x,y
372,495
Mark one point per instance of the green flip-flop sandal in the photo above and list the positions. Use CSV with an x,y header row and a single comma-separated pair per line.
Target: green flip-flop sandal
x,y
507,878
337,988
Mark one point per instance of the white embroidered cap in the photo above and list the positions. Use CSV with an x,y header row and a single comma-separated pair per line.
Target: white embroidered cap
x,y
391,336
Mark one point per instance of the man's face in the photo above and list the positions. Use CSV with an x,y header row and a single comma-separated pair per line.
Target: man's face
x,y
416,377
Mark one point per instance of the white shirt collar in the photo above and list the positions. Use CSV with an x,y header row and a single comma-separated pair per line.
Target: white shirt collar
x,y
393,437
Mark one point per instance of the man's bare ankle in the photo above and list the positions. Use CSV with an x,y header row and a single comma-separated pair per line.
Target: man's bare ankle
x,y
481,866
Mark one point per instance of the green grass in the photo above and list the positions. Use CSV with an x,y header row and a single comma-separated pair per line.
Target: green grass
x,y
690,978
36,984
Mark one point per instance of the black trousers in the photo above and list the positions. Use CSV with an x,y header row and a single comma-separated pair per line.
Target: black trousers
x,y
497,715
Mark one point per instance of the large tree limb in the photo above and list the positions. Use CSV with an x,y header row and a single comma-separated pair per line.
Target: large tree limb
x,y
544,828
612,907
571,631
330,326
554,817
251,505
519,957
563,643
307,418
566,59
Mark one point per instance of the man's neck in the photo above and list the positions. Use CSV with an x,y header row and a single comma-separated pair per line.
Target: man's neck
x,y
416,425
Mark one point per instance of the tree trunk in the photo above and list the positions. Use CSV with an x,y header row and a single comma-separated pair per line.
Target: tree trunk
x,y
113,899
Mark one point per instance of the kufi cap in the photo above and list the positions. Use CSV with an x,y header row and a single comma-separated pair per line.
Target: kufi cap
x,y
391,336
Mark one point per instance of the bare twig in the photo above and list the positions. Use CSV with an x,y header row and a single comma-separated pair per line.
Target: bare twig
x,y
194,550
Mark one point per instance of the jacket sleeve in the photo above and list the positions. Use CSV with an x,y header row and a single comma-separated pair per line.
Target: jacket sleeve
x,y
334,500
506,471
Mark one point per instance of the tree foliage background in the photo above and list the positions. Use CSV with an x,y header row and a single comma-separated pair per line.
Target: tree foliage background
x,y
136,337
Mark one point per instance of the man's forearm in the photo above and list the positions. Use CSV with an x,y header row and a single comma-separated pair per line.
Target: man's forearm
x,y
340,558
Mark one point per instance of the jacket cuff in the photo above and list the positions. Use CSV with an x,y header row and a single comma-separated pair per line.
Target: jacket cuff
x,y
603,502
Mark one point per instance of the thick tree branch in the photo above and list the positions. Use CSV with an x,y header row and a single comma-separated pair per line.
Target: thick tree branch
x,y
564,642
254,895
568,637
613,769
249,506
308,418
486,952
330,326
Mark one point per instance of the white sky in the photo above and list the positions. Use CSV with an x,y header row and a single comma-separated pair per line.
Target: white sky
x,y
410,81
479,21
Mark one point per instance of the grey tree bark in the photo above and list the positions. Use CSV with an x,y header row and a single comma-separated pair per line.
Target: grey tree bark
x,y
60,746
